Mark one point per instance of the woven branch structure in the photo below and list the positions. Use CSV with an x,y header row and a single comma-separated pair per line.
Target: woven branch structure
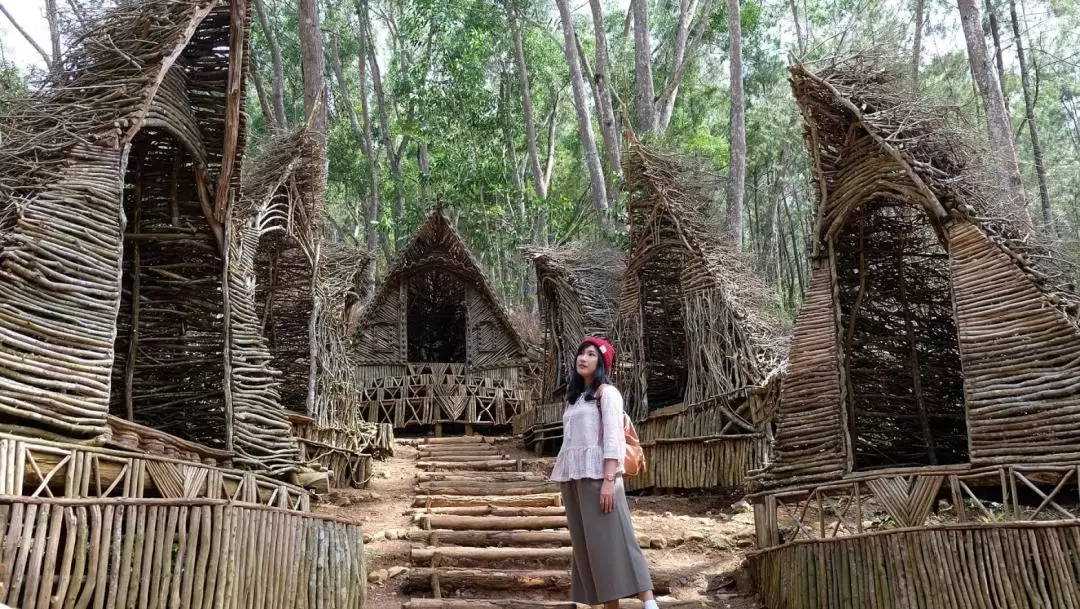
x,y
932,368
434,346
698,351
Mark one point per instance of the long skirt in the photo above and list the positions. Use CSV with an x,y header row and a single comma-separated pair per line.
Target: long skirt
x,y
607,563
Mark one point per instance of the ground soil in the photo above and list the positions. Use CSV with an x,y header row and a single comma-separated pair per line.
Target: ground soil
x,y
700,535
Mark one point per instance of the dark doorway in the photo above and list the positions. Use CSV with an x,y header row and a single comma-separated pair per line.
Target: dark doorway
x,y
436,317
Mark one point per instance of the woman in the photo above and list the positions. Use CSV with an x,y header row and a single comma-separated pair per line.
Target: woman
x,y
607,563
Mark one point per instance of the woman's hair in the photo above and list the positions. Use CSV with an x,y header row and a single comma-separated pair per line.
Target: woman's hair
x,y
577,382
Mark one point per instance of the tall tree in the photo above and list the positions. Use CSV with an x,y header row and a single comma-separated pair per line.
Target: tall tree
x,y
1029,112
53,17
916,53
541,179
999,59
997,118
737,175
28,37
645,118
277,65
577,84
371,162
609,129
313,63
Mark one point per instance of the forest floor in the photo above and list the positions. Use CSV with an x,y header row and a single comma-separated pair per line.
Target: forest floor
x,y
702,537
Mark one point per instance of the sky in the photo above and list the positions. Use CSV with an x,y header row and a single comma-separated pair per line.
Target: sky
x,y
30,14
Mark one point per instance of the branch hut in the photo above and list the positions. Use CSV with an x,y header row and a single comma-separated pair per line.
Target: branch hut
x,y
434,347
578,286
926,439
119,185
699,353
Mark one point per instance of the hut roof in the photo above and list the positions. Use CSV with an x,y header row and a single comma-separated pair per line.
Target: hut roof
x,y
869,135
669,204
437,245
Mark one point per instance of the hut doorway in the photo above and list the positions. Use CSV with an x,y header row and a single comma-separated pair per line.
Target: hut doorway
x,y
169,349
905,398
436,317
663,331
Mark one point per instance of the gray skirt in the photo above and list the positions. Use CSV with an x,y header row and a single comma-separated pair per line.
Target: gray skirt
x,y
607,563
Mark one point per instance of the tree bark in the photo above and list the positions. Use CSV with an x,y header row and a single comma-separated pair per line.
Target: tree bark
x,y
343,86
645,120
682,34
393,155
540,184
737,173
374,202
577,83
276,63
691,46
52,16
609,128
313,63
264,97
916,54
999,62
1029,109
997,118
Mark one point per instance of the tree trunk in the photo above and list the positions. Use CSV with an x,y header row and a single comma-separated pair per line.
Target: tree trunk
x,y
313,63
644,94
916,54
997,118
30,39
52,16
800,38
682,33
1029,109
609,128
999,62
540,185
592,157
737,174
280,122
264,97
374,203
343,86
392,154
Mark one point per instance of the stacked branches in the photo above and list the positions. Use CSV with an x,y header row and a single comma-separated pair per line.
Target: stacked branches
x,y
62,158
578,286
691,314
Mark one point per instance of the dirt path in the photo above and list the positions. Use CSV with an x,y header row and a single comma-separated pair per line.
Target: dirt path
x,y
695,543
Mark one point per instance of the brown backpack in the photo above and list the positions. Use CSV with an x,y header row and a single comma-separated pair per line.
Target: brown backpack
x,y
634,461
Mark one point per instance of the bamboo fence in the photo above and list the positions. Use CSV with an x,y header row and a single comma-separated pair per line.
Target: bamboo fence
x,y
1025,565
346,452
434,345
183,553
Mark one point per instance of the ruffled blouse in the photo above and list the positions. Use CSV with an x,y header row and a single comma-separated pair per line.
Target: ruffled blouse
x,y
585,445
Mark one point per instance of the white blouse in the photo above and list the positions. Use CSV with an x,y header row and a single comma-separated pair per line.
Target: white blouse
x,y
584,448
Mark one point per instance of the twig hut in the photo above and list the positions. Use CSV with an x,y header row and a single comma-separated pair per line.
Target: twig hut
x,y
434,346
698,351
932,387
118,185
577,288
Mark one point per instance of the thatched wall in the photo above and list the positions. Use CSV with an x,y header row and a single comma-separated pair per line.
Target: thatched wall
x,y
691,324
929,336
434,345
122,254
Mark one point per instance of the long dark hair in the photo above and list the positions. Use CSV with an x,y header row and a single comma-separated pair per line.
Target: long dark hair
x,y
577,382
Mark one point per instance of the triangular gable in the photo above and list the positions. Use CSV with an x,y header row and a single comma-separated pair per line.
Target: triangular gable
x,y
381,330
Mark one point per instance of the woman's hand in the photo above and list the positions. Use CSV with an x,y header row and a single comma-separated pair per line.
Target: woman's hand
x,y
607,497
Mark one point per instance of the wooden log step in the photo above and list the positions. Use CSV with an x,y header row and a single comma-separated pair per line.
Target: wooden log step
x,y
493,465
505,491
490,510
513,603
486,476
450,579
448,488
537,500
423,557
453,440
492,538
457,448
471,458
491,523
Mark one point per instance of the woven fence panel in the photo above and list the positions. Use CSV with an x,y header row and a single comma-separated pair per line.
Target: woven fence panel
x,y
1019,356
183,554
972,567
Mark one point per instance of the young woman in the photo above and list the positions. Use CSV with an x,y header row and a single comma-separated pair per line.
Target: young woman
x,y
607,563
